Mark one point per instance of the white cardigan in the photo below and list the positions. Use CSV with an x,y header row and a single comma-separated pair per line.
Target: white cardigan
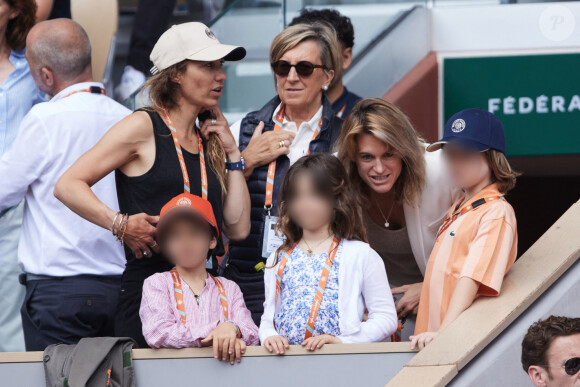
x,y
362,282
424,220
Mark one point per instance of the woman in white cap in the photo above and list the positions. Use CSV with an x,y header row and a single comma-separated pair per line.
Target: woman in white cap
x,y
159,152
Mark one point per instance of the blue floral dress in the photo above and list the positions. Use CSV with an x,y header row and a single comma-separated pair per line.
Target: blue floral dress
x,y
299,283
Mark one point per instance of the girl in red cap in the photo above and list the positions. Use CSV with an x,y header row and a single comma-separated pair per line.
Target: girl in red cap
x,y
187,306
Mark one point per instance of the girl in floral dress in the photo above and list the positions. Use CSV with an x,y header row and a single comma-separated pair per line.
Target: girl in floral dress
x,y
320,280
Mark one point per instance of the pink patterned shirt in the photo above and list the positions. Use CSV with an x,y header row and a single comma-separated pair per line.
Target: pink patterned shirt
x,y
162,326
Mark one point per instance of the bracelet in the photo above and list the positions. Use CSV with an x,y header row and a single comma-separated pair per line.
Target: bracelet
x,y
123,225
238,331
115,221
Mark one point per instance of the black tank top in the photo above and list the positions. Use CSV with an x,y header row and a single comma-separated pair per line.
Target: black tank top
x,y
149,192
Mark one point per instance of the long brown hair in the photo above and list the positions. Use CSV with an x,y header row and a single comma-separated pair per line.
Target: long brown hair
x,y
163,92
501,171
387,123
330,181
18,28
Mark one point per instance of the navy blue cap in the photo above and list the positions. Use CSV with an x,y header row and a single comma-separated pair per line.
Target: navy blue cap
x,y
475,129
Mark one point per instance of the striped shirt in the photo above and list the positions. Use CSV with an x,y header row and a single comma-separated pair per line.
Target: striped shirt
x,y
481,245
162,326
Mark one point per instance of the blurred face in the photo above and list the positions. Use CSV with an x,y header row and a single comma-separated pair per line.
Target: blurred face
x,y
308,209
188,241
467,168
379,166
561,349
7,13
302,92
202,83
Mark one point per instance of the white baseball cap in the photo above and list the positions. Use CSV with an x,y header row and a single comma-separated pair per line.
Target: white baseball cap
x,y
193,41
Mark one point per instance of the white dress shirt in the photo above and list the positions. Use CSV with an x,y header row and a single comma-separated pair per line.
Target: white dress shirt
x,y
54,241
301,142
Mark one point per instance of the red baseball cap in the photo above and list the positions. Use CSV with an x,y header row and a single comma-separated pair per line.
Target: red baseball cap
x,y
188,204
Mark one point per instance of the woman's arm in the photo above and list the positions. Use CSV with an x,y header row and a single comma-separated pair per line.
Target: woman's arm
x,y
161,328
236,203
121,145
44,9
382,317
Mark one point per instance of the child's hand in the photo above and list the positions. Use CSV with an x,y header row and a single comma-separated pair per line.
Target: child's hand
x,y
422,339
276,343
317,342
224,341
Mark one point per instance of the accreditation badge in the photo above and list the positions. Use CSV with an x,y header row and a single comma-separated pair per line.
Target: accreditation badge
x,y
273,237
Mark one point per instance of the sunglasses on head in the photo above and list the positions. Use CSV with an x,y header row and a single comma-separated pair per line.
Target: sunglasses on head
x,y
303,68
572,366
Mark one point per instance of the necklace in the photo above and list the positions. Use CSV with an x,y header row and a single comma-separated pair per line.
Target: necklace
x,y
310,250
387,224
197,296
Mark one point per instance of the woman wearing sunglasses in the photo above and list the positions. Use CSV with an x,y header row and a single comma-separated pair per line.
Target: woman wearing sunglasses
x,y
299,120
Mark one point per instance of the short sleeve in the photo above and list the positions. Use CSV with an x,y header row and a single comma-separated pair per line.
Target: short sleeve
x,y
492,251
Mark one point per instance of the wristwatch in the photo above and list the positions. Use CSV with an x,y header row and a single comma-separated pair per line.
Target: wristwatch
x,y
237,166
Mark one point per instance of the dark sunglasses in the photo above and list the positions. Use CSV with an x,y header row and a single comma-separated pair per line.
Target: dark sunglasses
x,y
572,366
303,68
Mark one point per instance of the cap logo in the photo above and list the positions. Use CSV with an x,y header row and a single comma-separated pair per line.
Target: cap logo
x,y
209,34
184,202
458,125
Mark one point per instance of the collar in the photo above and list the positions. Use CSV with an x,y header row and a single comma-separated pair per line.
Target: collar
x,y
312,123
18,58
71,89
490,190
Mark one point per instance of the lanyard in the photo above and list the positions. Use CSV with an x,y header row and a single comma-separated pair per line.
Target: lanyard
x,y
179,294
272,166
92,90
319,290
450,219
203,172
341,111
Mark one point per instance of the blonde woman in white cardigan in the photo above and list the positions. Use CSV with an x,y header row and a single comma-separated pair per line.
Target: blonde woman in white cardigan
x,y
405,193
322,278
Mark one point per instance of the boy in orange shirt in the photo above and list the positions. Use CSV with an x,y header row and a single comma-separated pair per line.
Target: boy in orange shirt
x,y
476,244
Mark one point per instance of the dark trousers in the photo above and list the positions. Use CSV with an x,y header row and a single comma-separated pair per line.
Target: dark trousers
x,y
252,287
66,309
150,23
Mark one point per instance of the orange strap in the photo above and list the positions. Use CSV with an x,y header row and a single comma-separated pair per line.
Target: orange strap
x,y
92,90
272,166
397,336
341,111
472,206
319,290
186,183
179,294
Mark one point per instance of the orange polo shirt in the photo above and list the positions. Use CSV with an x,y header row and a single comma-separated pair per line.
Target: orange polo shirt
x,y
480,244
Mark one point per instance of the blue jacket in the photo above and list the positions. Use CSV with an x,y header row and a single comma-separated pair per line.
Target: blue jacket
x,y
245,254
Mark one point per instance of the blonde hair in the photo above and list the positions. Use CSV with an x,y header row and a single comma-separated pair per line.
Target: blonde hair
x,y
387,123
319,32
163,91
501,171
